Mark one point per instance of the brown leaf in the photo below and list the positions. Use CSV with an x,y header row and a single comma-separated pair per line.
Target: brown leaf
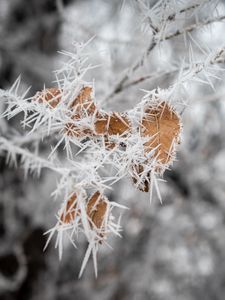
x,y
101,123
162,125
112,124
70,212
83,104
96,209
51,96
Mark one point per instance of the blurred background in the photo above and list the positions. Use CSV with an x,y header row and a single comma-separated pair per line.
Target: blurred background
x,y
174,250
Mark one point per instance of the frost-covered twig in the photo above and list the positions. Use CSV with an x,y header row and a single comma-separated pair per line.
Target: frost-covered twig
x,y
218,59
193,27
121,85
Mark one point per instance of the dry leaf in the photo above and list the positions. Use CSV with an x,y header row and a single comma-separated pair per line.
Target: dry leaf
x,y
162,125
96,209
114,124
83,104
101,123
52,96
70,212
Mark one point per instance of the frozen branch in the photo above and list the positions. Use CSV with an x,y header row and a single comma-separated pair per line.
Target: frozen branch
x,y
121,85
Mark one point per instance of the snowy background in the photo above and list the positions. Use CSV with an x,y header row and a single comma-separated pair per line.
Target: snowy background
x,y
174,250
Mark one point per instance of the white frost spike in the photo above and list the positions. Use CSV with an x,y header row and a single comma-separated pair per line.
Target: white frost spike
x,y
86,258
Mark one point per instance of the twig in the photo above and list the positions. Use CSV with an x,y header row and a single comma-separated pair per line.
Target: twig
x,y
120,86
154,76
193,27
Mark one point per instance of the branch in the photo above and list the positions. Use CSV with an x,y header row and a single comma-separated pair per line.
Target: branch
x,y
193,27
154,76
120,86
30,158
